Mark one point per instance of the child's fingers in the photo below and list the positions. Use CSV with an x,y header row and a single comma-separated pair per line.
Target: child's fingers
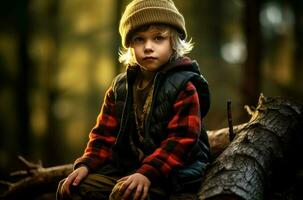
x,y
145,192
67,183
78,179
127,192
123,187
73,179
79,175
138,192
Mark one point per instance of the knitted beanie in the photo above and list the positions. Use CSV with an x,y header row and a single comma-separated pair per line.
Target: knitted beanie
x,y
144,12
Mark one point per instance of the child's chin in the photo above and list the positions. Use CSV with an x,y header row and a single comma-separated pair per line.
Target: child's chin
x,y
150,68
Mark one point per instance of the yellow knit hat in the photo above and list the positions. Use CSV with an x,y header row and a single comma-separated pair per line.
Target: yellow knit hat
x,y
144,12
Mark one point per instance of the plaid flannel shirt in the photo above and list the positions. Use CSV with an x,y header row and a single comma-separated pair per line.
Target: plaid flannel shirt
x,y
183,130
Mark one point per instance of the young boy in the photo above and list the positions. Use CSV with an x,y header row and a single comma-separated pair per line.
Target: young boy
x,y
148,142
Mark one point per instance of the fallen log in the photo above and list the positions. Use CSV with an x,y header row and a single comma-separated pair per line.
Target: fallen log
x,y
269,140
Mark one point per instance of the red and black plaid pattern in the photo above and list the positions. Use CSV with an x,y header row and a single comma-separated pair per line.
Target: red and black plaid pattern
x,y
183,130
103,136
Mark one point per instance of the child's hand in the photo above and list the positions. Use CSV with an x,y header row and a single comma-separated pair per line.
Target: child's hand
x,y
136,184
73,178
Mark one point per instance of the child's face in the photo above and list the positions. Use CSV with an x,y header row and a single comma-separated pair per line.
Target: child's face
x,y
151,48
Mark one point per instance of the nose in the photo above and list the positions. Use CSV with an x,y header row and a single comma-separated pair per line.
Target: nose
x,y
148,46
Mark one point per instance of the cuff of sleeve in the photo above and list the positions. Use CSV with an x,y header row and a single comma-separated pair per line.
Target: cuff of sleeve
x,y
150,172
90,163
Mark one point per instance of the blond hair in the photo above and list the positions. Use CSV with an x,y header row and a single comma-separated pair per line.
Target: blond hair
x,y
180,47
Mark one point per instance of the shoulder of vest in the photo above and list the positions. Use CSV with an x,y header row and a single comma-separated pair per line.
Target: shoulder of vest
x,y
120,78
179,79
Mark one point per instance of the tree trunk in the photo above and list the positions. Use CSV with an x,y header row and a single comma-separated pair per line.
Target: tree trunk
x,y
297,6
22,84
252,66
244,169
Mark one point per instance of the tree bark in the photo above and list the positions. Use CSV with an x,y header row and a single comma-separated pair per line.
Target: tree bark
x,y
247,165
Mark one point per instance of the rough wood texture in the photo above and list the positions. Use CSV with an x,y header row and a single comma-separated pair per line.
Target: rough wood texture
x,y
246,166
219,139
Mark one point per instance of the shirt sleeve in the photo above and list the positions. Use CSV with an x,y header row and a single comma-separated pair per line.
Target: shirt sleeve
x,y
183,131
102,136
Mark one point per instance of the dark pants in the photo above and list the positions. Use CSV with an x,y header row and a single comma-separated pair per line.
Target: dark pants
x,y
97,186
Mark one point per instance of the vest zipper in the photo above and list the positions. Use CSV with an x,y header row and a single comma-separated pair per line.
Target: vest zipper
x,y
124,117
154,92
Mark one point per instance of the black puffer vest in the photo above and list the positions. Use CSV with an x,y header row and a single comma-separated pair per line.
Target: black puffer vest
x,y
167,86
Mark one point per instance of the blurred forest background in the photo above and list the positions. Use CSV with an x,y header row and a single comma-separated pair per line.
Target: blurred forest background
x,y
57,58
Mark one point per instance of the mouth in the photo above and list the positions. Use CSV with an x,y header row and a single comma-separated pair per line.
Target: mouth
x,y
149,58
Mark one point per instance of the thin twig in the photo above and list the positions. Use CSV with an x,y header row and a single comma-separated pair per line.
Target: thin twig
x,y
250,110
230,122
6,183
31,168
19,173
30,165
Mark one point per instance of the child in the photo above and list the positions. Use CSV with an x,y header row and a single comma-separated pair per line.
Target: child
x,y
148,142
